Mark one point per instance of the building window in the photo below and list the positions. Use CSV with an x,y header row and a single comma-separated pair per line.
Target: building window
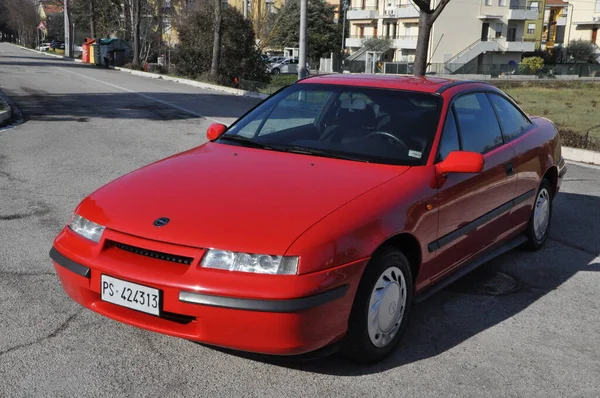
x,y
597,6
488,2
502,3
530,28
498,30
534,5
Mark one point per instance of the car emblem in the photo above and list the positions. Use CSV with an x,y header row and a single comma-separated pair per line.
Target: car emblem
x,y
161,222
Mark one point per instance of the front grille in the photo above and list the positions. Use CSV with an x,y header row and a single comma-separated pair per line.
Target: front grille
x,y
154,254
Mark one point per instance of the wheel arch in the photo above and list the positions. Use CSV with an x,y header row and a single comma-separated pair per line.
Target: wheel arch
x,y
409,246
552,176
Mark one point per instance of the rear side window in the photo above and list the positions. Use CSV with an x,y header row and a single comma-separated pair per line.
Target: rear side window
x,y
513,122
479,128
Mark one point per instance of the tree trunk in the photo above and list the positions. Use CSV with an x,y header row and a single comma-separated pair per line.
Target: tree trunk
x,y
136,15
216,56
92,19
425,24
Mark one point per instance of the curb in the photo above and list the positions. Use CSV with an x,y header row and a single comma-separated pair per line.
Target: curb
x,y
180,80
6,113
194,83
13,112
581,155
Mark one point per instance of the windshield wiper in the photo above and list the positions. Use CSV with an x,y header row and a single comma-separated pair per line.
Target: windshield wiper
x,y
317,152
245,141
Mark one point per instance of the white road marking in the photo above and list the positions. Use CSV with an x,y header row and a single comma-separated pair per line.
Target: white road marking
x,y
143,95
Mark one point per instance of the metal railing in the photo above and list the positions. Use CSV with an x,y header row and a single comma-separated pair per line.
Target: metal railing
x,y
391,37
372,8
464,51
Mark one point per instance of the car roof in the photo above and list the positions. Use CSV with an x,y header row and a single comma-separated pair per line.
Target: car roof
x,y
425,84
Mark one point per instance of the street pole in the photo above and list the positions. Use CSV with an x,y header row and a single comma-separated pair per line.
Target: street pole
x,y
245,7
302,72
344,10
68,38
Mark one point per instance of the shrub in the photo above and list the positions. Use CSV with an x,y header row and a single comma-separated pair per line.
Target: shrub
x,y
581,50
239,56
531,65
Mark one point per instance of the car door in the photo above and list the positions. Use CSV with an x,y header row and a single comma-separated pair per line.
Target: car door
x,y
294,66
473,209
285,66
526,164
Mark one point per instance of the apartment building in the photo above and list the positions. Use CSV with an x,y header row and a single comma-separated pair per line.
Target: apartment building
x,y
394,19
473,32
585,20
555,24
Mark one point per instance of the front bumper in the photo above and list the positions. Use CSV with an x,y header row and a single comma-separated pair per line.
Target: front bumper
x,y
296,315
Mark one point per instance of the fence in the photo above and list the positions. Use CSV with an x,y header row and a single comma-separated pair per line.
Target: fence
x,y
486,71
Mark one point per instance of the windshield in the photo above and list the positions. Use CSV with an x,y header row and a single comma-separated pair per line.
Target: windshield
x,y
354,123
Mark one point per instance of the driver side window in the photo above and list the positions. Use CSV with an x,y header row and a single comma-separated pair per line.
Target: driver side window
x,y
450,141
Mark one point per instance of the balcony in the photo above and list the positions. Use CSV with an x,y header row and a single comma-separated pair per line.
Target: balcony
x,y
362,13
562,21
354,41
522,13
520,46
406,42
403,42
403,11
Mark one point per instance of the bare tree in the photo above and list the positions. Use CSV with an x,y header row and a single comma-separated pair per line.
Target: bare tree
x,y
92,19
426,19
22,18
216,54
136,20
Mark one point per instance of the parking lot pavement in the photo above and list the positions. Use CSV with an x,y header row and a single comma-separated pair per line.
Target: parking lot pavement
x,y
538,340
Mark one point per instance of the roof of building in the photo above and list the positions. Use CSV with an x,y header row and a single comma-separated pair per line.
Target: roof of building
x,y
556,3
424,84
52,7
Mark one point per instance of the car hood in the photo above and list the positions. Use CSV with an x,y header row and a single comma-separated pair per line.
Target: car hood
x,y
231,197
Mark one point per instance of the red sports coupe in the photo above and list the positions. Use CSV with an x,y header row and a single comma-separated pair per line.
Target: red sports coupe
x,y
317,218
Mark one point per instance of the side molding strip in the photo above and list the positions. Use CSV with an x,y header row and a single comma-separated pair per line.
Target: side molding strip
x,y
473,225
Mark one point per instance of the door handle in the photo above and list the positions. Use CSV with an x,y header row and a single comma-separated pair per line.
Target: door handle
x,y
509,168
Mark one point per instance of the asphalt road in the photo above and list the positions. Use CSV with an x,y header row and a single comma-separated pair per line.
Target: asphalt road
x,y
85,126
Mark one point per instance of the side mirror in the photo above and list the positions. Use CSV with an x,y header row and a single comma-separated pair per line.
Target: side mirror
x,y
215,130
460,162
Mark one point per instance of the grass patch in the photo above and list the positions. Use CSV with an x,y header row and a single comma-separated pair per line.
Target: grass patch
x,y
573,106
277,82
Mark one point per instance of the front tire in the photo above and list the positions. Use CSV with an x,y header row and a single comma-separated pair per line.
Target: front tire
x,y
381,308
276,71
541,214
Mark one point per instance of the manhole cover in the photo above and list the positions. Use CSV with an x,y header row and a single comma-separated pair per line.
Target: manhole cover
x,y
488,284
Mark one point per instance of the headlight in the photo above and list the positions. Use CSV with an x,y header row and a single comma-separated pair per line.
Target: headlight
x,y
258,263
86,228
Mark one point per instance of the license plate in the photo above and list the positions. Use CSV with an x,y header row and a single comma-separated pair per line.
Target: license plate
x,y
130,295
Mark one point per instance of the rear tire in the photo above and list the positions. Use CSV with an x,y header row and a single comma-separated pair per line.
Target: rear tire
x,y
381,308
541,215
276,71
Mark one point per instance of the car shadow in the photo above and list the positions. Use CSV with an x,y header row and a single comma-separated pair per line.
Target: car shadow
x,y
470,305
43,106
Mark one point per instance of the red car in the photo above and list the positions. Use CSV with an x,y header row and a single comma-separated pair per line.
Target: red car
x,y
317,218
